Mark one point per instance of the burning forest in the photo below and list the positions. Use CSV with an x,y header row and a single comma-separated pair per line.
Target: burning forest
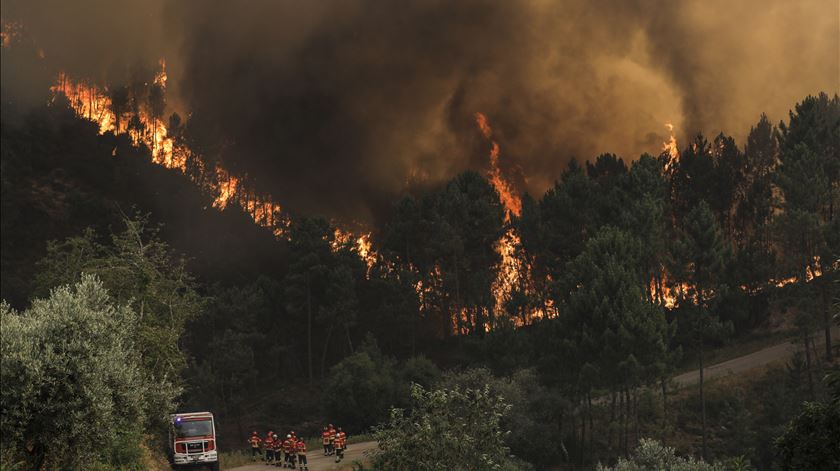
x,y
371,214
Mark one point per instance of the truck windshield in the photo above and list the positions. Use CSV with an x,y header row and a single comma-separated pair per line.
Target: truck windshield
x,y
194,428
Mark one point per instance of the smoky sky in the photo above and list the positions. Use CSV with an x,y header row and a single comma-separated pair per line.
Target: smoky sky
x,y
338,107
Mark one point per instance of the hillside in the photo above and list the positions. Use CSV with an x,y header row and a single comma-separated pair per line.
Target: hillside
x,y
60,176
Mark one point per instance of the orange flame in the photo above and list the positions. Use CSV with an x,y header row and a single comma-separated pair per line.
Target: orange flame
x,y
364,248
670,147
508,197
513,270
94,104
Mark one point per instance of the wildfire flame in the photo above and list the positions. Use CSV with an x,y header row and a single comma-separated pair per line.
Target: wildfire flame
x,y
670,147
362,245
144,127
508,197
364,248
514,271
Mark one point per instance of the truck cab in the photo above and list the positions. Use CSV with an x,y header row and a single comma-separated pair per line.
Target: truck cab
x,y
192,440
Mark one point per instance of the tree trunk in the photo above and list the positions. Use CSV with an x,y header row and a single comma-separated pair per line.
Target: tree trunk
x,y
826,322
636,415
582,446
591,426
414,333
349,340
309,326
612,421
702,401
620,418
622,433
664,434
40,456
626,421
324,354
457,297
560,433
806,338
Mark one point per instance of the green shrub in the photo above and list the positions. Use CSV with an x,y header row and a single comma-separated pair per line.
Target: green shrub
x,y
457,429
72,377
651,455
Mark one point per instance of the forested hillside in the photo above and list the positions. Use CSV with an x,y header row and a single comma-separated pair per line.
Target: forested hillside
x,y
620,274
60,177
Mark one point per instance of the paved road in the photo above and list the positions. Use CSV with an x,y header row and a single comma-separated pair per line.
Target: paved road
x,y
762,357
317,461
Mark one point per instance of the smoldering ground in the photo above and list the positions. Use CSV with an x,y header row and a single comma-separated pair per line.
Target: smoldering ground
x,y
338,107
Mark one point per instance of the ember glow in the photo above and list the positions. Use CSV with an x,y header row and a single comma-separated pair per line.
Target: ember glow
x,y
10,33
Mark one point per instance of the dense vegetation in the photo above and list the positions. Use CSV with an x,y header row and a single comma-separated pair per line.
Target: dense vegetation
x,y
635,270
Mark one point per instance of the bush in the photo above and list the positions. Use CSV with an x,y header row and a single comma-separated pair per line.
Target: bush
x,y
650,455
71,377
419,370
534,435
812,439
445,430
364,386
361,388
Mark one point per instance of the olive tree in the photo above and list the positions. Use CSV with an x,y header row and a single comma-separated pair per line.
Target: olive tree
x,y
72,377
650,454
445,430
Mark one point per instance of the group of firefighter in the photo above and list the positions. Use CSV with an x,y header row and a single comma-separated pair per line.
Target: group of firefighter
x,y
292,449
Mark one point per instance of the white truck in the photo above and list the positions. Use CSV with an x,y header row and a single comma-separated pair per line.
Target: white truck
x,y
192,441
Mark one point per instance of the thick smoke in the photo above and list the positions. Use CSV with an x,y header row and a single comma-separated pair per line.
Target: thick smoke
x,y
338,107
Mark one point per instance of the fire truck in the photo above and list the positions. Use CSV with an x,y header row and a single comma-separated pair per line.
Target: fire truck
x,y
192,441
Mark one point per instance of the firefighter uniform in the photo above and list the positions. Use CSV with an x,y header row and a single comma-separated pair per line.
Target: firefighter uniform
x,y
325,439
278,450
288,451
340,445
301,454
255,442
332,439
269,447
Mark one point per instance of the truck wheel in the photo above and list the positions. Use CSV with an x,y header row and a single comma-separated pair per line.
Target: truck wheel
x,y
214,466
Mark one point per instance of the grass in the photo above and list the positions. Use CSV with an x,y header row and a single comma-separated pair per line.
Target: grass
x,y
233,459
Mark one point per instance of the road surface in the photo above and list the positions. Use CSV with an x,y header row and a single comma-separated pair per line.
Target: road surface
x,y
762,357
317,460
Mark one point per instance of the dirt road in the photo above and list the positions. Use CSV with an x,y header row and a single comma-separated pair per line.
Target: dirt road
x,y
319,462
762,357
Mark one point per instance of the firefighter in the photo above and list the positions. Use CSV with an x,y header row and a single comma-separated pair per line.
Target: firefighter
x,y
255,442
288,451
301,454
332,439
269,447
325,439
278,450
340,444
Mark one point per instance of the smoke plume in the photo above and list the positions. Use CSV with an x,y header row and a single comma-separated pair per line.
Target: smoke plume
x,y
338,107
